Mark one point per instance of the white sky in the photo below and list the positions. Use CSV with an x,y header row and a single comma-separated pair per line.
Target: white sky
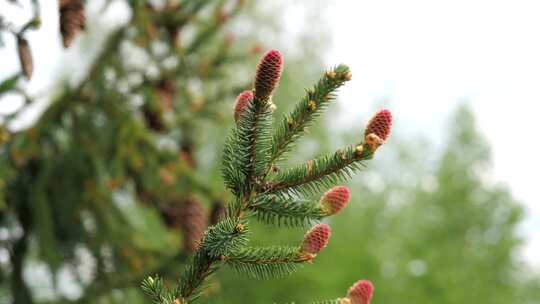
x,y
425,56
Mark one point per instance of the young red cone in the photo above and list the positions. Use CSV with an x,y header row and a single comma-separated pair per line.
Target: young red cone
x,y
378,129
268,73
316,239
335,199
241,103
361,292
380,124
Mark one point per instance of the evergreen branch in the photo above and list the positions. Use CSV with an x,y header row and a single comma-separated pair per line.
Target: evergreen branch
x,y
228,235
320,173
236,154
154,288
279,210
246,150
307,110
266,262
261,139
194,275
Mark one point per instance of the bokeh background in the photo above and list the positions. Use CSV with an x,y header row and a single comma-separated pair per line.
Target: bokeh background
x,y
447,213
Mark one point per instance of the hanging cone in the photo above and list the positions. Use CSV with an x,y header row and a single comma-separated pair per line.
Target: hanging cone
x,y
72,19
25,57
188,216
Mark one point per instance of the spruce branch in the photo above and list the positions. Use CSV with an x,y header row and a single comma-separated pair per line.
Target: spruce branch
x,y
246,150
249,154
227,235
320,173
154,288
266,262
279,210
294,125
192,279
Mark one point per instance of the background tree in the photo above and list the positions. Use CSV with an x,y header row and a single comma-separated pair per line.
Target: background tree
x,y
423,229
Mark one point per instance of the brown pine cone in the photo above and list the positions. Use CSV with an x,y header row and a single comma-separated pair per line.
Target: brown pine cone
x,y
72,19
165,91
25,57
190,217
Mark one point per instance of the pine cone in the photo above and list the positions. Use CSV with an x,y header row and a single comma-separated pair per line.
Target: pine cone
x,y
268,73
361,292
335,199
316,239
380,124
193,223
25,57
166,91
241,103
72,19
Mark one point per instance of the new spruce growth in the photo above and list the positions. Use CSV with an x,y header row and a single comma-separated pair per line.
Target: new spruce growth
x,y
252,152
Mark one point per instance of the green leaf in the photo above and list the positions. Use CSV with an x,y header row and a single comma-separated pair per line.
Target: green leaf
x,y
8,84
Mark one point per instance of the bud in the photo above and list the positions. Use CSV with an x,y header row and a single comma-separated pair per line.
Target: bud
x,y
335,199
380,125
25,57
72,19
361,292
268,73
241,103
316,239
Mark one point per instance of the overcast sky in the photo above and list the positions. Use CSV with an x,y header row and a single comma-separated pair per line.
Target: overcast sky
x,y
425,57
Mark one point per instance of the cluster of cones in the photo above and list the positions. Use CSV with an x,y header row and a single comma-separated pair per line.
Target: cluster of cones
x,y
267,77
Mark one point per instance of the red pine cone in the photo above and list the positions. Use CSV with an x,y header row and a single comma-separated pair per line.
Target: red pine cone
x,y
316,239
72,19
361,292
25,57
241,103
335,199
268,73
380,124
